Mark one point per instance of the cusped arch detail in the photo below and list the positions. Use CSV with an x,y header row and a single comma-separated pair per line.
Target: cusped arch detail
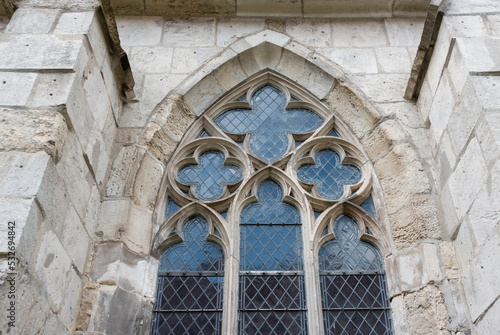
x,y
170,231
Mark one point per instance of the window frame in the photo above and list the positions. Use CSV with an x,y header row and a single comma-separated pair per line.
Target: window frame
x,y
283,171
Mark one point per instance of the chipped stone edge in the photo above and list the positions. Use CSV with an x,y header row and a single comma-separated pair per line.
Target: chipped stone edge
x,y
425,49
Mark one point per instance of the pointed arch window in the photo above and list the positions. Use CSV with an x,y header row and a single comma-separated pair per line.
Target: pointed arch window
x,y
273,170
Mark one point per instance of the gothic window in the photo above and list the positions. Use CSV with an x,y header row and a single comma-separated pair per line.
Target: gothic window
x,y
267,187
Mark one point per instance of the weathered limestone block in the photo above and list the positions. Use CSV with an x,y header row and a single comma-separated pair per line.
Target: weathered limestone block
x,y
174,117
421,312
115,264
88,295
75,173
74,23
71,300
122,171
117,311
480,279
329,8
188,33
488,134
229,30
404,32
489,323
487,89
147,59
32,131
313,33
199,98
382,138
471,171
138,234
464,117
147,182
32,21
159,144
64,4
471,7
381,87
181,8
413,269
36,52
27,218
230,74
52,266
112,219
281,8
370,33
353,60
356,114
51,89
139,30
16,87
449,258
416,219
393,59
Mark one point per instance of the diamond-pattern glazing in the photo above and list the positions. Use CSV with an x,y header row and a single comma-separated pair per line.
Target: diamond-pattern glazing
x,y
184,293
194,253
329,174
269,122
270,209
357,322
187,323
269,248
210,175
347,252
273,323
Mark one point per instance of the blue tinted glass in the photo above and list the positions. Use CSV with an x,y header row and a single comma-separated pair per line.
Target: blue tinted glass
x,y
268,123
317,214
298,143
172,207
294,98
210,175
369,206
194,253
204,134
333,133
224,215
268,248
329,174
347,252
270,208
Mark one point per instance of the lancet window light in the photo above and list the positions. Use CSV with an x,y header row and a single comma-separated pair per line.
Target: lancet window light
x,y
267,187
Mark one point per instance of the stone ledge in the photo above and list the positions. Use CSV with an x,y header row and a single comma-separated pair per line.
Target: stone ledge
x,y
283,8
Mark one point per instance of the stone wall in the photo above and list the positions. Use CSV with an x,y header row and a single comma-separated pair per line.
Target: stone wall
x,y
59,107
82,169
460,102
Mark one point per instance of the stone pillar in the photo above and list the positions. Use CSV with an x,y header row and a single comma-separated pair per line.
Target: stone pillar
x,y
59,105
460,102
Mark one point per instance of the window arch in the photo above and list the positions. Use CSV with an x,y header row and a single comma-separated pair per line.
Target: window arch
x,y
273,167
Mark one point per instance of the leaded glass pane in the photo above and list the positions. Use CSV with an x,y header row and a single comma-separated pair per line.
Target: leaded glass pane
x,y
270,209
329,174
357,322
194,253
172,207
347,252
369,206
210,175
269,122
353,287
268,248
190,285
183,293
272,304
187,323
333,133
204,134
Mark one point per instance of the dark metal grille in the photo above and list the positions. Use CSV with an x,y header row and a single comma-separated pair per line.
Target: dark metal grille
x,y
272,304
210,175
329,174
272,295
269,122
353,284
190,285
